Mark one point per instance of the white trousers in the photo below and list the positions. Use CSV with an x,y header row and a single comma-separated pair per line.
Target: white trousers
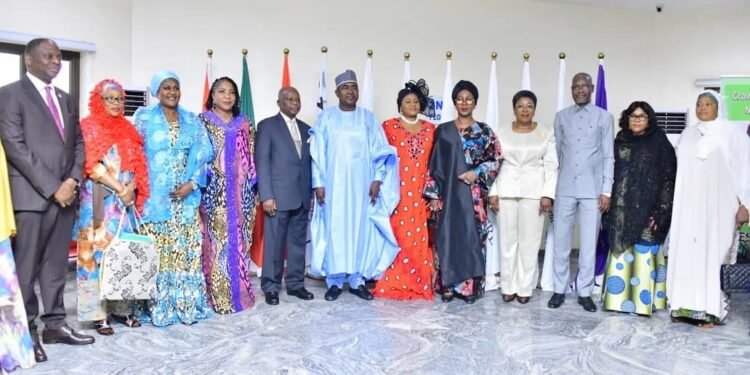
x,y
521,228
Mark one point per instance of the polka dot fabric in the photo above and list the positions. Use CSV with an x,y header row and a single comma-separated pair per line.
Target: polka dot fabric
x,y
410,275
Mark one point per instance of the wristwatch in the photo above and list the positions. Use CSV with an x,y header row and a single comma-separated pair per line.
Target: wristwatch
x,y
195,186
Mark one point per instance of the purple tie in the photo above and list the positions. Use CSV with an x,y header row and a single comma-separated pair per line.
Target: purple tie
x,y
53,110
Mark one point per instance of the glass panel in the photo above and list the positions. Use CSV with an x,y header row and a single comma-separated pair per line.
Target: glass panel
x,y
9,68
63,78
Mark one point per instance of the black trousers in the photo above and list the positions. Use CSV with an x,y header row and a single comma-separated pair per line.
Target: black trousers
x,y
40,250
287,230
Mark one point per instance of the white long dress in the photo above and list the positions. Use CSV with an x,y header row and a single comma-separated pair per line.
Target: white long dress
x,y
711,179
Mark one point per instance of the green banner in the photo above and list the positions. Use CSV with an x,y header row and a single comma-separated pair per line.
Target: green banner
x,y
736,92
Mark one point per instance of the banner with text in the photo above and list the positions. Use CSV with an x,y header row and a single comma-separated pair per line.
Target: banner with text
x,y
736,92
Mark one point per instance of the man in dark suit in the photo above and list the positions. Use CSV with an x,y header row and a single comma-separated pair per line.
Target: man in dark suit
x,y
282,161
42,139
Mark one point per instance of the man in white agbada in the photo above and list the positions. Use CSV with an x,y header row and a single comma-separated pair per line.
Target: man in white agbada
x,y
355,177
712,193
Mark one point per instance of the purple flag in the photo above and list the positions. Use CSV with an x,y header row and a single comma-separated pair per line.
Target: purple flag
x,y
602,245
601,88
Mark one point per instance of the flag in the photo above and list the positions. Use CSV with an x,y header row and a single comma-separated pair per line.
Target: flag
x,y
246,93
601,87
526,76
206,84
367,99
561,86
548,275
322,87
407,71
447,113
246,107
602,245
492,243
286,80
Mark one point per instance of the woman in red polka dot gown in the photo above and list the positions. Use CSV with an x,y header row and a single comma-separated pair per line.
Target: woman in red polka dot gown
x,y
410,275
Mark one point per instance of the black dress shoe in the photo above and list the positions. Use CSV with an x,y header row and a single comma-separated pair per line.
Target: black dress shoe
x,y
65,335
587,303
272,298
333,293
39,354
556,300
301,293
362,292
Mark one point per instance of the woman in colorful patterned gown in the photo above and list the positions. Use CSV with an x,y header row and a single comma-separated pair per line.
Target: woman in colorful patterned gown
x,y
116,176
640,214
464,163
177,149
410,275
16,345
228,204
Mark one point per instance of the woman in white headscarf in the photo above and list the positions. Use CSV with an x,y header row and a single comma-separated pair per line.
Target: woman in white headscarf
x,y
712,193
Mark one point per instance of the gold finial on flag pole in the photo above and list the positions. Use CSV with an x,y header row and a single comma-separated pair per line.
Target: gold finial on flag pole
x,y
494,55
369,53
561,55
210,53
286,51
407,55
244,52
526,56
324,49
600,55
448,55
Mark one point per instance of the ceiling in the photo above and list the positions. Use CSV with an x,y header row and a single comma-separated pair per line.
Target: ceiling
x,y
650,5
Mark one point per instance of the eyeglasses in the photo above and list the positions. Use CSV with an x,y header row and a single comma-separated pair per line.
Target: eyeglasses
x,y
638,117
114,100
465,100
525,106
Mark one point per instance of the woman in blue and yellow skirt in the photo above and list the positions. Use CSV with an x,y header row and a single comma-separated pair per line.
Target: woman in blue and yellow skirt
x,y
640,214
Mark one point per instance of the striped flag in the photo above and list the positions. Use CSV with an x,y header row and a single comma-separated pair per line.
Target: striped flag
x,y
206,83
286,80
447,113
322,86
492,244
407,71
526,76
367,100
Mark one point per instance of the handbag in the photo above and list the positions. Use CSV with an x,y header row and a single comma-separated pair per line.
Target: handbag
x,y
129,264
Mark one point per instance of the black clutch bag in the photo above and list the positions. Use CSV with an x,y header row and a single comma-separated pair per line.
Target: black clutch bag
x,y
735,278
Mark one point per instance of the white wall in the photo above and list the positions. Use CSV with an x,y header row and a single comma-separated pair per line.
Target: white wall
x,y
106,23
650,56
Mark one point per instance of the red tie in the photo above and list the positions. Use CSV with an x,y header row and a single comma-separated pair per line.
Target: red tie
x,y
53,110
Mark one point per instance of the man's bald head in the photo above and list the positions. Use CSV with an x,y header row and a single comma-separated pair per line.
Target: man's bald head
x,y
289,101
581,88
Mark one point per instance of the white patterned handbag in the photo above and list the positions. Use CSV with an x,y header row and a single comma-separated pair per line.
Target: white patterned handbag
x,y
129,265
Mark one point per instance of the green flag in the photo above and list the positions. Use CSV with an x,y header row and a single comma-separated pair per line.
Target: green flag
x,y
246,94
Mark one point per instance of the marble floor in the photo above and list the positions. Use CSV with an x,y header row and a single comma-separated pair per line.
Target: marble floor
x,y
352,336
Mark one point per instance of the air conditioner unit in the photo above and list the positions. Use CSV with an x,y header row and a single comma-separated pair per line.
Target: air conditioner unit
x,y
672,121
135,97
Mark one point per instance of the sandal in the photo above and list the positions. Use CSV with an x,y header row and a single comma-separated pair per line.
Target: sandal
x,y
523,300
103,328
706,325
128,320
509,297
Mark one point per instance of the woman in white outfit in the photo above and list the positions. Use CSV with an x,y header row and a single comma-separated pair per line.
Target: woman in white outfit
x,y
522,195
712,193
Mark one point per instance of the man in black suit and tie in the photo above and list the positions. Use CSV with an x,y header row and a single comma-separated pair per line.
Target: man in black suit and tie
x,y
282,161
42,139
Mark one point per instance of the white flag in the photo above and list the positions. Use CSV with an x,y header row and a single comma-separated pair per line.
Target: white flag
x,y
322,86
367,99
407,71
526,78
447,113
492,244
561,86
548,275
